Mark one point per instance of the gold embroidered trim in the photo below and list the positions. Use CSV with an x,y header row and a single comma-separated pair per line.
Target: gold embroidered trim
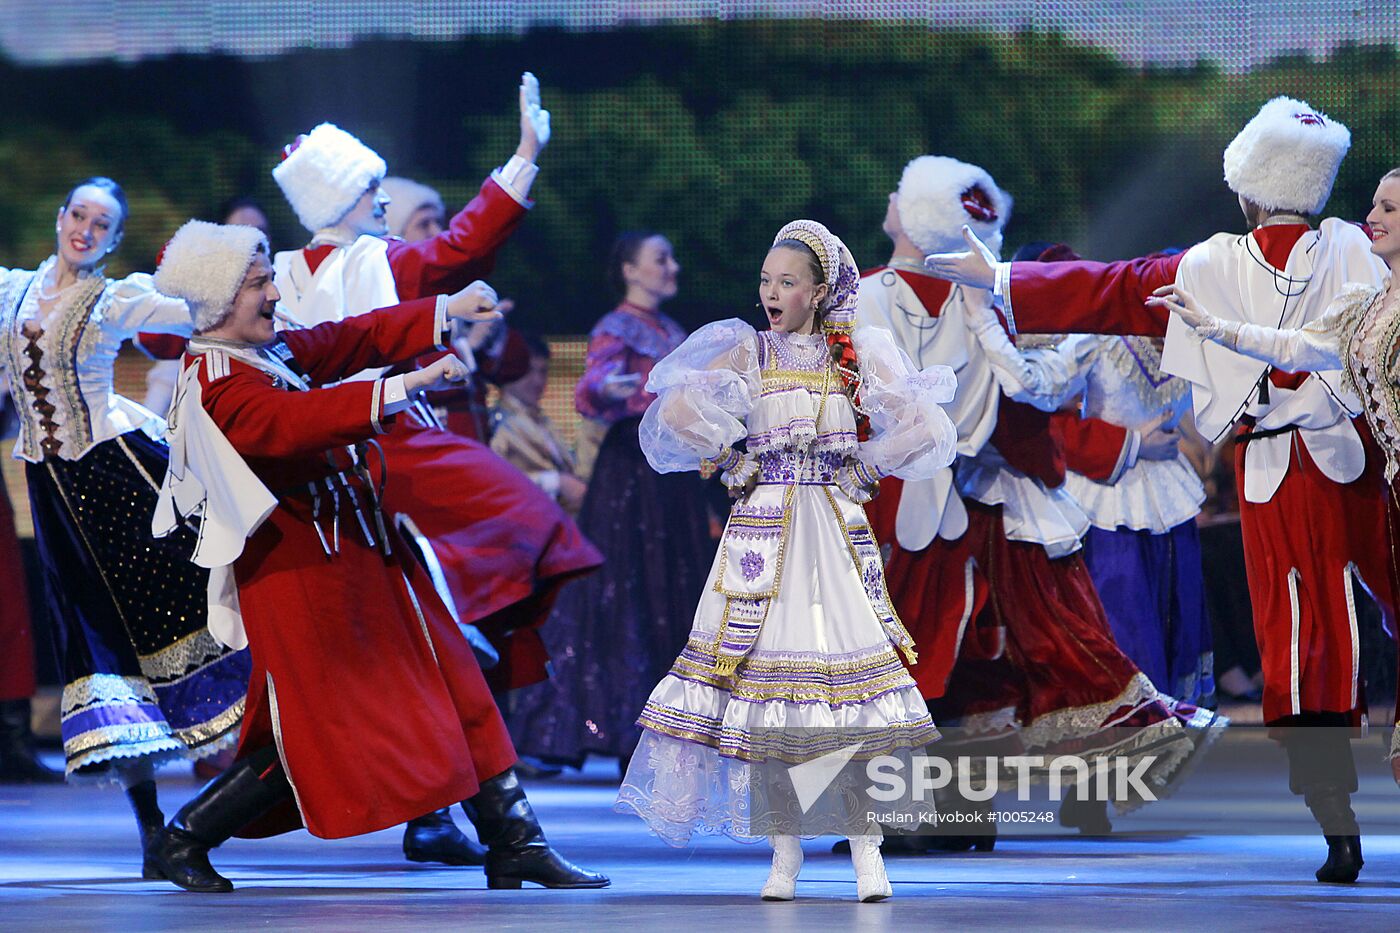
x,y
86,747
786,524
213,730
1086,720
183,658
783,380
135,461
757,682
104,689
791,746
418,611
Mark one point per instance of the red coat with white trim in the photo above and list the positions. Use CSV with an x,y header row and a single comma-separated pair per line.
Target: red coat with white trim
x,y
1300,581
504,546
374,700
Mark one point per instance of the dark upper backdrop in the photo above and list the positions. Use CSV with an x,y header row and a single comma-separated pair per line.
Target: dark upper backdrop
x,y
714,133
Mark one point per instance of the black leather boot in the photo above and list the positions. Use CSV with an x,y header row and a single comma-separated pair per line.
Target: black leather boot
x,y
1331,807
18,762
1321,769
435,838
180,852
516,850
1344,862
964,824
149,822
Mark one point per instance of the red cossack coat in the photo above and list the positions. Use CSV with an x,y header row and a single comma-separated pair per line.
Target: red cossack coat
x,y
505,547
374,700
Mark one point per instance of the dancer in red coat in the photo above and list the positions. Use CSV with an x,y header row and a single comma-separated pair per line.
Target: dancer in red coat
x,y
1303,460
499,547
505,548
366,706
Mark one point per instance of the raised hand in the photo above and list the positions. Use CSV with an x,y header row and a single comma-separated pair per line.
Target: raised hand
x,y
1180,302
534,121
479,335
474,304
975,268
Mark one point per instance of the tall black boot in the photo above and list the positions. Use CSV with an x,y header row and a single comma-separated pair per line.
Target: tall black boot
x,y
149,822
435,838
1321,770
1331,807
180,853
516,848
18,762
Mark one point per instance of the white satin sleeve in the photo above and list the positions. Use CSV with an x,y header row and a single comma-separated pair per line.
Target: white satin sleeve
x,y
1044,377
134,305
910,434
704,392
1316,347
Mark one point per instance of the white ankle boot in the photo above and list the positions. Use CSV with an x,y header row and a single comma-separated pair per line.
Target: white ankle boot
x,y
787,862
872,884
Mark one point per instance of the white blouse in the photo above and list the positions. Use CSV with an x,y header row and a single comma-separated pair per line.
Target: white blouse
x,y
727,382
73,358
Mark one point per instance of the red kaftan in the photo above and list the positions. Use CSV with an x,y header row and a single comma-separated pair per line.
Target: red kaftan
x,y
1303,546
376,703
504,546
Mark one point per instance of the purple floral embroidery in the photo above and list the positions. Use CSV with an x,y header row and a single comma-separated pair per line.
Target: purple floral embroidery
x,y
751,564
872,577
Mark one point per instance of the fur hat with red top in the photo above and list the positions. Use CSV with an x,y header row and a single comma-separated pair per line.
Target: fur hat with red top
x,y
1287,157
324,173
937,195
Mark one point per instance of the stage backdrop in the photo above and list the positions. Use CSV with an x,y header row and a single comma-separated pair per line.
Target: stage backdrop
x,y
713,122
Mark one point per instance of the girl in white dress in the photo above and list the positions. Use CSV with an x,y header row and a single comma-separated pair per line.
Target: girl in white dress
x,y
794,652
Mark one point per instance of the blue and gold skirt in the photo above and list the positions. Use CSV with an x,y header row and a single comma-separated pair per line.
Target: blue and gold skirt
x,y
144,679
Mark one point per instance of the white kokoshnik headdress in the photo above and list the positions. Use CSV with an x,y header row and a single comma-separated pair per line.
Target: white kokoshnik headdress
x,y
838,268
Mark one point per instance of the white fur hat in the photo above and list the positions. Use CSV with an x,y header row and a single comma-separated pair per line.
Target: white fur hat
x,y
405,197
1287,157
937,195
205,264
324,174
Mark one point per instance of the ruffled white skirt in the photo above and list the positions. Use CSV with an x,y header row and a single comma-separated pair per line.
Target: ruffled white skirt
x,y
822,673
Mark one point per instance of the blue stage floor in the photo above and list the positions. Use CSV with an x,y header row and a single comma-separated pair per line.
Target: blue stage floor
x,y
68,862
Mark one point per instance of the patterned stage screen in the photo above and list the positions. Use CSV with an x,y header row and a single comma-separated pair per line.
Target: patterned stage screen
x,y
713,122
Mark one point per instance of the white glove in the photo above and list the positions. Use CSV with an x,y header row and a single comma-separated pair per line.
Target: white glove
x,y
534,122
975,268
1183,304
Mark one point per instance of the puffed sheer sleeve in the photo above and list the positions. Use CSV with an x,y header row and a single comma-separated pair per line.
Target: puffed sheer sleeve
x,y
910,435
136,306
704,390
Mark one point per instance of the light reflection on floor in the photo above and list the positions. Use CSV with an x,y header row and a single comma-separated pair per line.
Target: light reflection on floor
x,y
68,861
